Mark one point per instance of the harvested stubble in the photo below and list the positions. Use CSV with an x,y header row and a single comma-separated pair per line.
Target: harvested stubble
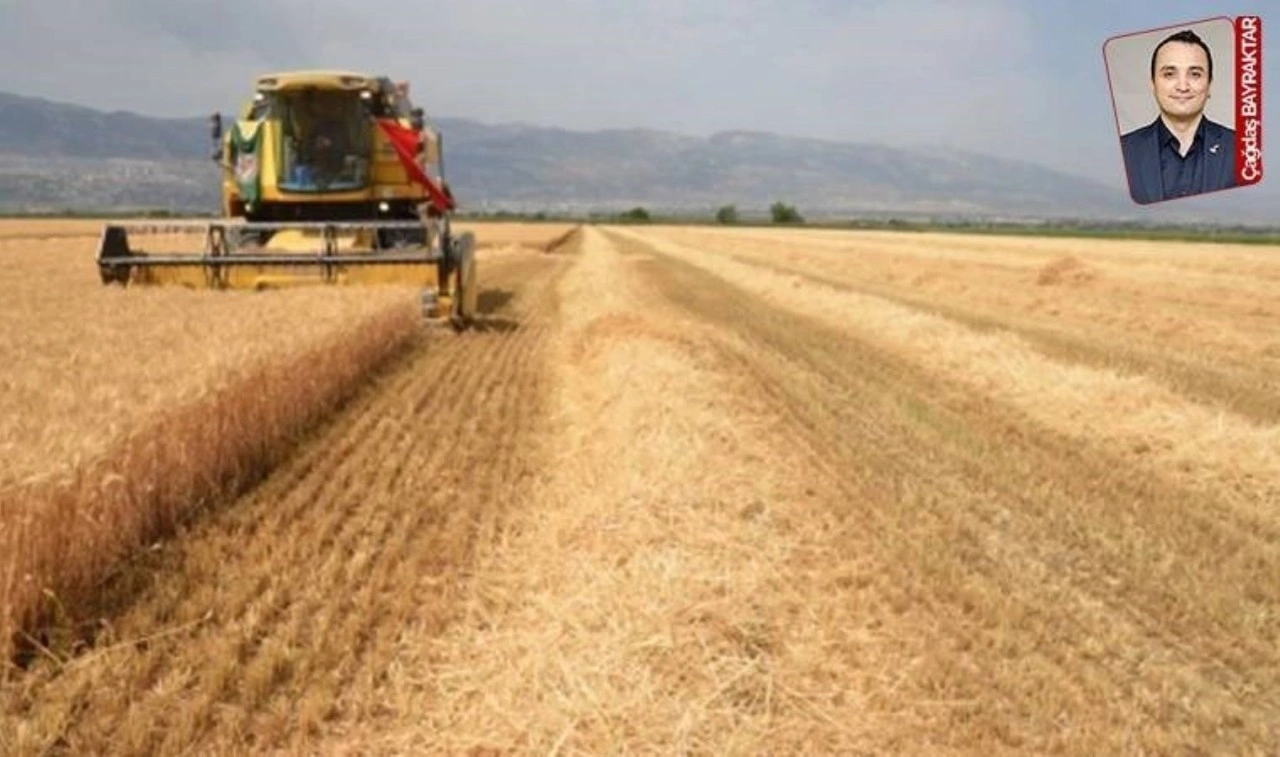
x,y
123,410
1144,422
672,501
543,236
1218,298
633,601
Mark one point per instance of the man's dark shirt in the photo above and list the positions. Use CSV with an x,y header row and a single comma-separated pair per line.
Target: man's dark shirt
x,y
1180,175
1157,172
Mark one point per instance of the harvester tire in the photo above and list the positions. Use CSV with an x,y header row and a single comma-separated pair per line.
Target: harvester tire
x,y
462,254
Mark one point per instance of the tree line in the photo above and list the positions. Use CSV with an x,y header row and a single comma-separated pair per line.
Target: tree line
x,y
780,212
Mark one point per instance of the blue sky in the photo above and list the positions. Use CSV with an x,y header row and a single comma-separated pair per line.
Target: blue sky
x,y
1019,78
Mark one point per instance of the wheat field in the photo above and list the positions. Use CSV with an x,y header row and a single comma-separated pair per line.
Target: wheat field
x,y
687,490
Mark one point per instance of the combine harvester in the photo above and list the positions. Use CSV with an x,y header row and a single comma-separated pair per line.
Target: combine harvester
x,y
326,179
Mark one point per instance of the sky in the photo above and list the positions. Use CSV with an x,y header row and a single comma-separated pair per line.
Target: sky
x,y
1016,78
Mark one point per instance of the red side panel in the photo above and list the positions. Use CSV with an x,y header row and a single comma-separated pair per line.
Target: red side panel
x,y
405,141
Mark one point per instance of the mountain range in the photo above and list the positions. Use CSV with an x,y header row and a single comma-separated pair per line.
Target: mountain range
x,y
61,156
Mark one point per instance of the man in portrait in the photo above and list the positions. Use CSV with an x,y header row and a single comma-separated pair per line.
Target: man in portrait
x,y
1181,153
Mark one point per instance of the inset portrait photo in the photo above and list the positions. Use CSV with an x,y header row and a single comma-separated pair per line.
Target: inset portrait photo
x,y
1177,107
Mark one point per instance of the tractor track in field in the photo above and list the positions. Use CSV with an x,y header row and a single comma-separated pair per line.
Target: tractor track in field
x,y
264,623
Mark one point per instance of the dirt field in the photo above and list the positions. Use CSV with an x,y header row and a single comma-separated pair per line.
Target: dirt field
x,y
742,492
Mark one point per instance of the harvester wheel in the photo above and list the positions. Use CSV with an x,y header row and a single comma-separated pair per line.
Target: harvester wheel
x,y
462,252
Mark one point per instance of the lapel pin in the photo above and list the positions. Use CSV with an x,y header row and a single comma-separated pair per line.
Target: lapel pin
x,y
1213,148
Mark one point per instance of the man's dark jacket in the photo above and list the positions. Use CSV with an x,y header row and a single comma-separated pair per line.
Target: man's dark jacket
x,y
1141,148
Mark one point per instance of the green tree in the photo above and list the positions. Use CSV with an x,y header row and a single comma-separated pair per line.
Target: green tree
x,y
636,214
727,214
784,213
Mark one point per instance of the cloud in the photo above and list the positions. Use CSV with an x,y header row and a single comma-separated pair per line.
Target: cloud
x,y
821,69
582,62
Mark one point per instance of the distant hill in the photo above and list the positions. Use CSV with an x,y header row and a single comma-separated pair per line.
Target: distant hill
x,y
32,127
528,165
56,155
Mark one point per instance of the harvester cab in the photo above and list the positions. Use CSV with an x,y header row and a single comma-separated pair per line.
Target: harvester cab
x,y
327,178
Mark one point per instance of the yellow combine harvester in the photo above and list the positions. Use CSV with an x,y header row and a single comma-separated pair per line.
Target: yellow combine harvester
x,y
327,178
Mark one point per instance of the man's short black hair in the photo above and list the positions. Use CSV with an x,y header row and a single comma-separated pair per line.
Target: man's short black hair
x,y
1191,38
